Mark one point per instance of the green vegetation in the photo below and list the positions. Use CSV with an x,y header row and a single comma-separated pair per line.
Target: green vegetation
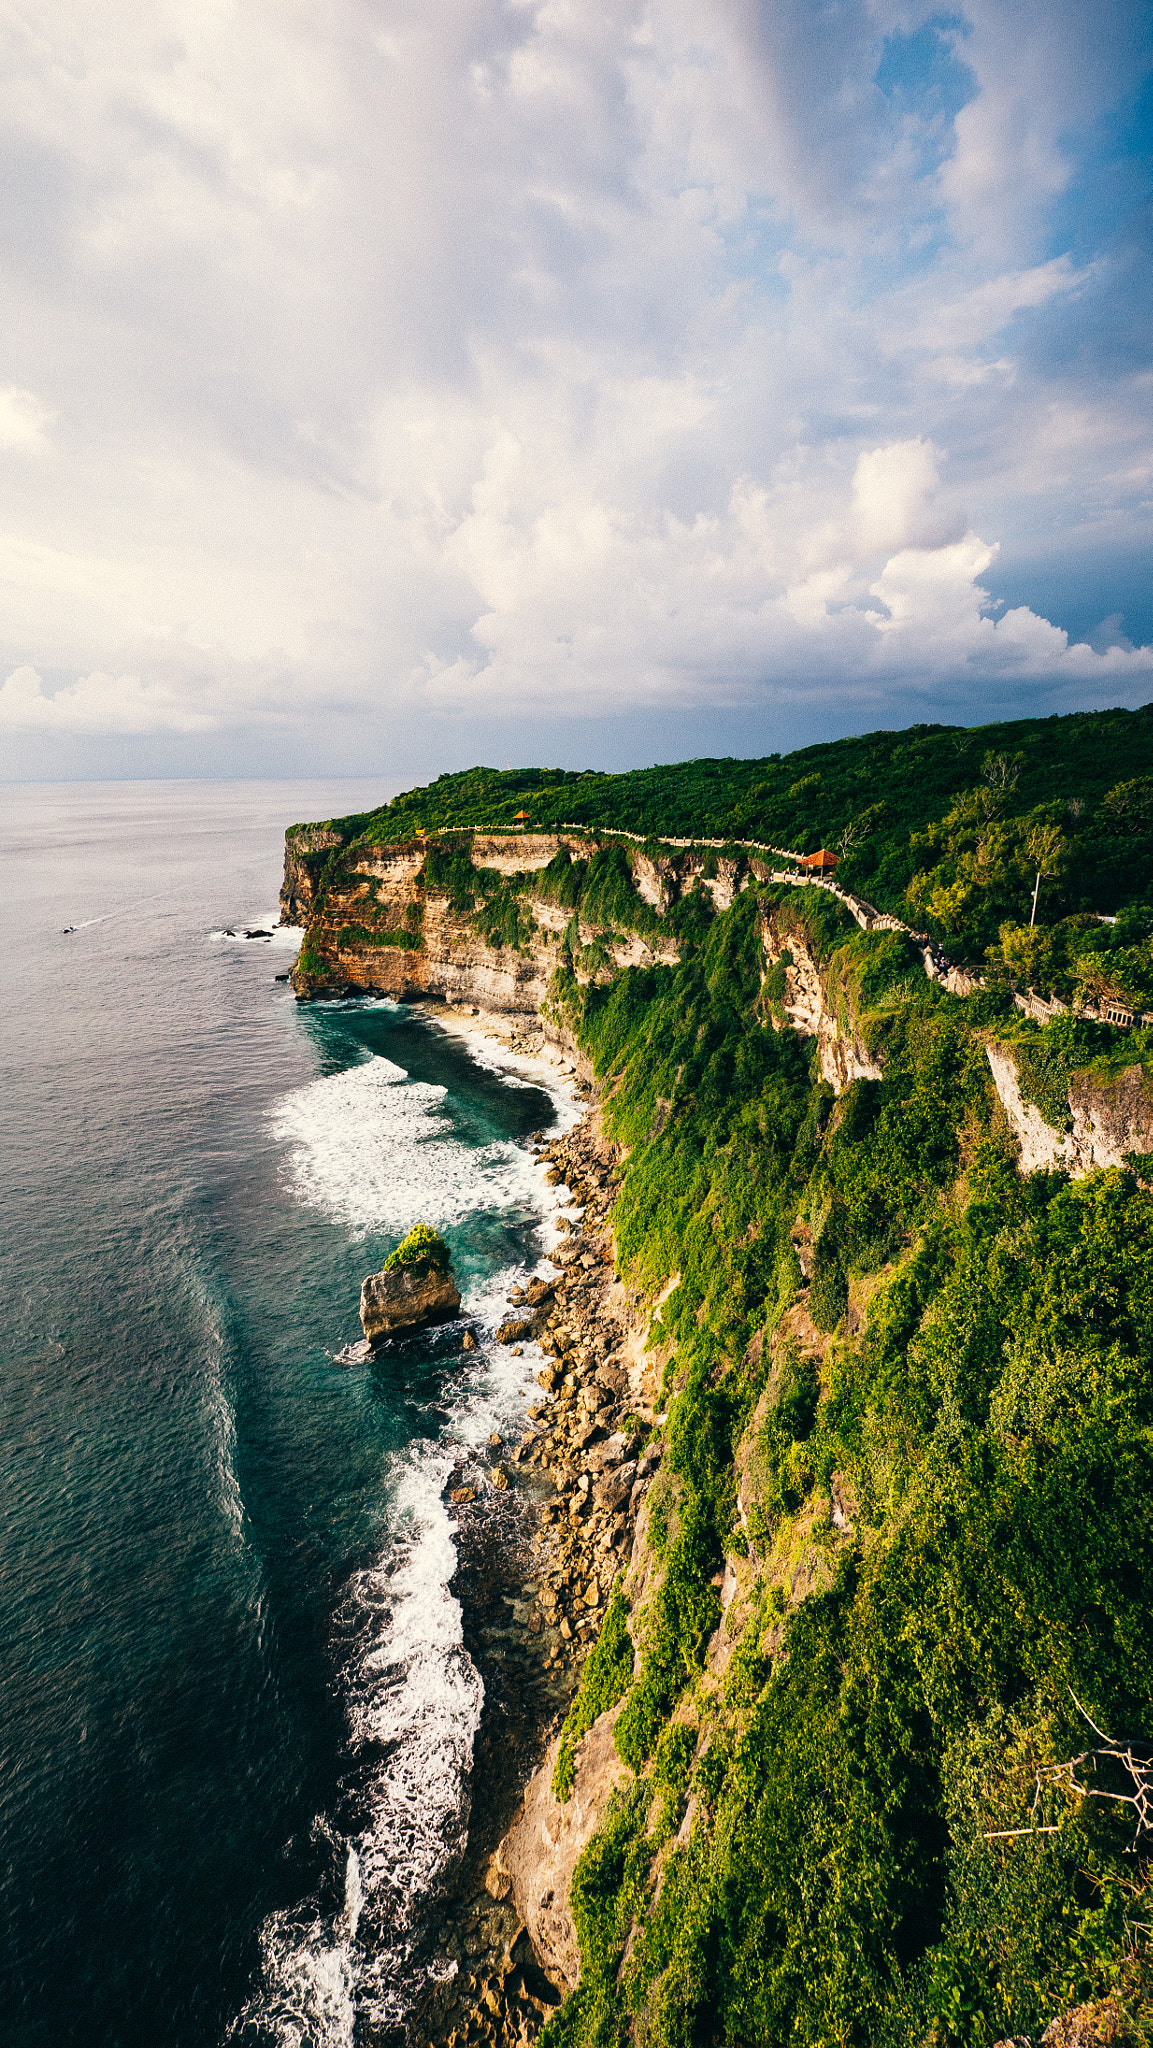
x,y
909,1391
943,825
896,1686
605,1678
310,960
601,891
423,1246
969,828
360,935
1080,959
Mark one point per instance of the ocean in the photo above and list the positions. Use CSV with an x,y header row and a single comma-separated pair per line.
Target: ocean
x,y
237,1712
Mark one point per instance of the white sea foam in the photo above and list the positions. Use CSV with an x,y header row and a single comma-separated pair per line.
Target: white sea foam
x,y
265,930
367,1146
306,1996
415,1699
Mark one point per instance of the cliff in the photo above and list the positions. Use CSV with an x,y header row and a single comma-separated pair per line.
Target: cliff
x,y
892,1519
1091,1120
806,1001
487,917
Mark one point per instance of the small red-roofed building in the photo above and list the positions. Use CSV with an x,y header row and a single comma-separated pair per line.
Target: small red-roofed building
x,y
820,863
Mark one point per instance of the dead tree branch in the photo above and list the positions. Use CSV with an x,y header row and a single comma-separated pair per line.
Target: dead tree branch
x,y
1130,1756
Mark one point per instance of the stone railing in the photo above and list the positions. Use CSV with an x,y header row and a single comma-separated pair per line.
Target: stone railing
x,y
1117,1014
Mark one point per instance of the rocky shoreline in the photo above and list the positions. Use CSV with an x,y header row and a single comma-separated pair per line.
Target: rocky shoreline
x,y
535,1594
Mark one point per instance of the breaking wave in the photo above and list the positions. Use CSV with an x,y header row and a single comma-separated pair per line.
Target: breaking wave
x,y
414,1701
368,1146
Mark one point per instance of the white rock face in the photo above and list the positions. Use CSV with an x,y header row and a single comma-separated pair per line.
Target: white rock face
x,y
1109,1119
842,1058
544,1844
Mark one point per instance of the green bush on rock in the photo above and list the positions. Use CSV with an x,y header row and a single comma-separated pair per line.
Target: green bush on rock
x,y
606,1676
422,1246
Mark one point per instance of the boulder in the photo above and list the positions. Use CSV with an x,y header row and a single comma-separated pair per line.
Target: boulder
x,y
605,1455
544,1844
406,1295
514,1330
613,1488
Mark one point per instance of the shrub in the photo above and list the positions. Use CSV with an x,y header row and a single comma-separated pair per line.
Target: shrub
x,y
360,935
422,1246
606,1677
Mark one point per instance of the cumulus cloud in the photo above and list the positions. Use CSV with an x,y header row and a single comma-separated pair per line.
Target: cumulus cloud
x,y
548,357
95,704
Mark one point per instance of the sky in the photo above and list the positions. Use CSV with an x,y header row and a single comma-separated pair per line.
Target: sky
x,y
387,385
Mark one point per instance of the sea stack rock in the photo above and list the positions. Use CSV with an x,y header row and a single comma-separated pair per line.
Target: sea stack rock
x,y
414,1287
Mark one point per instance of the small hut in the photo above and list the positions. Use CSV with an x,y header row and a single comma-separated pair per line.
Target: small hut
x,y
521,820
820,863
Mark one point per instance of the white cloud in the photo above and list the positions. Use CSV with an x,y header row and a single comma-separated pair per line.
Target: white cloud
x,y
542,356
894,492
23,419
984,311
95,704
938,615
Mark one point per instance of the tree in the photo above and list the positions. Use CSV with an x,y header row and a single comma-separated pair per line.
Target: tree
x,y
1046,850
1129,806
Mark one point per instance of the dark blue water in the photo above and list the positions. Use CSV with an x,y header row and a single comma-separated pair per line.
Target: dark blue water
x,y
236,1716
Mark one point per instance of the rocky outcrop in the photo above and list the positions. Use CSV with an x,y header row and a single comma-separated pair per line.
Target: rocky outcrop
x,y
658,880
306,849
543,1847
1109,1118
805,1005
1099,2024
376,925
596,1374
407,1297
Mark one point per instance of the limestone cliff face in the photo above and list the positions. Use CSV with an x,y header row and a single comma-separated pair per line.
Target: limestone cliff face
x,y
380,932
807,1005
1109,1118
375,924
306,849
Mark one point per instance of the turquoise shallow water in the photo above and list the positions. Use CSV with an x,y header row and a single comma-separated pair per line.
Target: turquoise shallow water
x,y
236,1715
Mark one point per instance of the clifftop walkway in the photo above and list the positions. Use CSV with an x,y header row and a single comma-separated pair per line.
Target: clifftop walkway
x,y
958,981
870,919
